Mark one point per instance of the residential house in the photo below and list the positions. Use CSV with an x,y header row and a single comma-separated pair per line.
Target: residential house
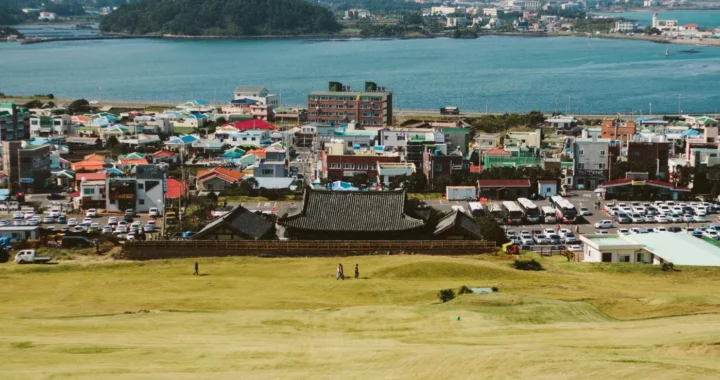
x,y
700,122
259,94
274,164
527,139
652,248
561,122
649,156
352,215
457,139
256,138
93,193
252,124
141,193
195,106
191,121
47,126
89,177
238,224
165,156
486,141
249,107
436,164
139,140
703,157
615,129
387,170
455,22
590,157
217,179
338,162
547,187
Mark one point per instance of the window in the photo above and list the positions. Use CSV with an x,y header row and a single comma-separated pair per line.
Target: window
x,y
373,166
401,138
335,165
601,166
607,257
141,186
580,152
602,152
624,259
348,166
268,172
639,257
244,138
234,138
438,167
141,201
362,166
89,191
580,165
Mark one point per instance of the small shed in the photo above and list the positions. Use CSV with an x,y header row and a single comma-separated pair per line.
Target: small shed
x,y
457,226
547,187
20,232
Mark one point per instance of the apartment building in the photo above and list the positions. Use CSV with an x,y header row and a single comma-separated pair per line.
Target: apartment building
x,y
259,94
14,122
340,105
590,162
27,166
614,129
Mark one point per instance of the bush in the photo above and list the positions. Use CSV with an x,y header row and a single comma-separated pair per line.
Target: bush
x,y
495,289
668,267
528,265
464,290
4,256
446,295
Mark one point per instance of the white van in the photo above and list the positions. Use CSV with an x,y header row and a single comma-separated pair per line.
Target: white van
x,y
548,214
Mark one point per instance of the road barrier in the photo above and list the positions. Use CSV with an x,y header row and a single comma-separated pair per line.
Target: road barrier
x,y
152,250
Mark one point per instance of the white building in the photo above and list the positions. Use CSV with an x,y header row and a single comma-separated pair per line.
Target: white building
x,y
491,12
652,248
527,139
259,94
624,26
397,138
443,10
47,16
456,22
561,121
665,25
590,159
145,191
388,170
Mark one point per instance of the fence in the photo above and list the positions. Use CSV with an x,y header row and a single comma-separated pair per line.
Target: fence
x,y
149,250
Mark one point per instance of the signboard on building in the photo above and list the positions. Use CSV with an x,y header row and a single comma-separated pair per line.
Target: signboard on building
x,y
27,180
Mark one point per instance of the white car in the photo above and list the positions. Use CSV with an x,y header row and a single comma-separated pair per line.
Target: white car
x,y
549,231
95,225
638,230
670,203
649,219
54,214
28,214
122,223
574,247
17,215
91,213
700,211
121,230
584,211
72,222
660,229
639,210
107,230
699,219
661,219
623,231
637,218
112,220
130,236
604,224
712,234
569,238
602,232
675,218
153,211
87,220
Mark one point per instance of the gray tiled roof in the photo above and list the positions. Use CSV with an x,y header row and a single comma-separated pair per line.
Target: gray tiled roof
x,y
349,211
462,221
240,220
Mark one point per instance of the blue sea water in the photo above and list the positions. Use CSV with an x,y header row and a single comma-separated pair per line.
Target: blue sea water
x,y
508,73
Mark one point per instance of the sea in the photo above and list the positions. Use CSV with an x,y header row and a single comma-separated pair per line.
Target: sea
x,y
498,73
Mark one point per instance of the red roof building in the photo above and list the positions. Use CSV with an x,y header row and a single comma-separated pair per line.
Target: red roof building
x,y
627,188
175,188
217,178
163,153
253,124
505,189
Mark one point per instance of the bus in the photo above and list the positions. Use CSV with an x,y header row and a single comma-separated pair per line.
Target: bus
x,y
564,210
513,212
476,209
531,211
495,211
548,214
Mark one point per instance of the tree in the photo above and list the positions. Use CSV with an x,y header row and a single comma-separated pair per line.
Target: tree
x,y
413,18
79,106
653,31
361,180
112,143
491,230
33,104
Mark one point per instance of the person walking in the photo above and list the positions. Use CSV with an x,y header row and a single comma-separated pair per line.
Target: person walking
x,y
357,271
197,272
97,246
340,275
577,230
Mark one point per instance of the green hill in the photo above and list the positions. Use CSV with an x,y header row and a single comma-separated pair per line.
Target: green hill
x,y
220,18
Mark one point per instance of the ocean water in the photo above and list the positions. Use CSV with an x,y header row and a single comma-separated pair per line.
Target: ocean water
x,y
507,73
704,18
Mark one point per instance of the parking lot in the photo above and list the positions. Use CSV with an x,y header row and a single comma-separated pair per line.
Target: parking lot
x,y
102,220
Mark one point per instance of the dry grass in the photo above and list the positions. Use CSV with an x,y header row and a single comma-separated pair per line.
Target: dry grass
x,y
289,318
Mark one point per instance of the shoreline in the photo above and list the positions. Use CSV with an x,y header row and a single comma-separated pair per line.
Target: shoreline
x,y
342,37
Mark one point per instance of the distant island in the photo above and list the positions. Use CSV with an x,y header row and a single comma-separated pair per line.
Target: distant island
x,y
220,18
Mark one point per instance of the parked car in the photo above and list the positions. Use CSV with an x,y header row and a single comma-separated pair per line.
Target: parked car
x,y
661,219
150,227
87,220
72,222
712,234
112,220
675,218
637,218
687,218
602,232
54,213
91,213
121,229
604,224
524,239
48,219
153,211
65,229
623,219
55,196
76,242
659,229
569,238
541,239
699,218
638,230
28,214
584,211
28,256
623,231
4,223
107,230
62,219
674,229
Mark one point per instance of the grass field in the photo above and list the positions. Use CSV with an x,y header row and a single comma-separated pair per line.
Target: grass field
x,y
264,318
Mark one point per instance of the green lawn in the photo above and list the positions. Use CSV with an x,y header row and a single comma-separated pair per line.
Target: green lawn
x,y
267,318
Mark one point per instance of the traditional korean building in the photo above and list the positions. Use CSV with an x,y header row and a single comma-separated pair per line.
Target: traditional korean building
x,y
238,224
352,215
457,226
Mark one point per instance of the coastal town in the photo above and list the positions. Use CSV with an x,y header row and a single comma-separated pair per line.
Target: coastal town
x,y
364,189
219,171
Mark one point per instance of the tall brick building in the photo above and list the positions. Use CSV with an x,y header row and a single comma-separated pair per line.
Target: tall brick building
x,y
339,105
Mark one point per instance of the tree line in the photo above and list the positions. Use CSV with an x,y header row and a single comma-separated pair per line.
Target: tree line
x,y
220,18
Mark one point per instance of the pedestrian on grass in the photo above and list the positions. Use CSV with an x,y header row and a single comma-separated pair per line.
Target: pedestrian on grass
x,y
97,246
357,271
340,275
197,272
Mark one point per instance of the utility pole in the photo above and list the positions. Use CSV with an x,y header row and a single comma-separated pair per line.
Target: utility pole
x,y
650,112
567,107
100,94
182,193
486,107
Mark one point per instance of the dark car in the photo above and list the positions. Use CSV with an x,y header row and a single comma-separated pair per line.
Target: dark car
x,y
674,229
76,242
623,218
55,196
